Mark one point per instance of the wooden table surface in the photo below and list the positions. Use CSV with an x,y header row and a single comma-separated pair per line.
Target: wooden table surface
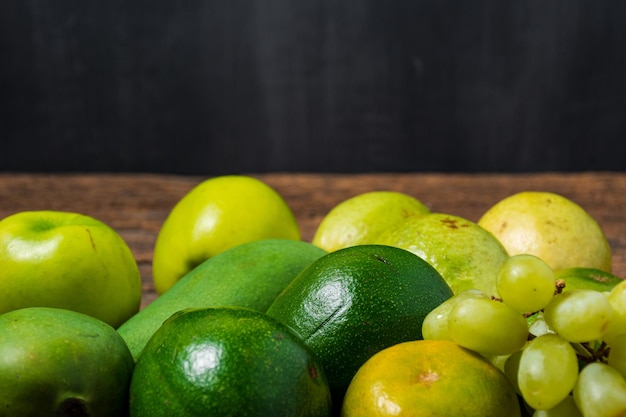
x,y
137,204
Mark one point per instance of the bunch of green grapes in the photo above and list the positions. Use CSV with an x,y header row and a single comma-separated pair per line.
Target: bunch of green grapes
x,y
563,350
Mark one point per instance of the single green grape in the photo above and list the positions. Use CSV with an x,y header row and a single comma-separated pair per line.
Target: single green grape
x,y
579,315
547,372
600,391
499,361
566,408
617,355
511,369
617,300
487,326
435,324
526,283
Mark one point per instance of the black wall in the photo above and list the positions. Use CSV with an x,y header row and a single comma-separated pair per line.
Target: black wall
x,y
212,87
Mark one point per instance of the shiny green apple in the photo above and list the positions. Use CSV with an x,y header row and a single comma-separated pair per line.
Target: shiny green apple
x,y
57,362
217,214
67,260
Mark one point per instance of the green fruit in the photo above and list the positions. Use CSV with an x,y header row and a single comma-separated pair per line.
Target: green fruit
x,y
218,214
227,361
426,378
57,362
249,275
551,227
360,219
587,279
465,254
67,260
356,301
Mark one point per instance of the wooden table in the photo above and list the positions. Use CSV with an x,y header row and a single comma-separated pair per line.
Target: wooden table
x,y
136,204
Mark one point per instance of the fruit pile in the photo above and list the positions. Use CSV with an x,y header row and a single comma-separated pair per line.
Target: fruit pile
x,y
392,309
561,344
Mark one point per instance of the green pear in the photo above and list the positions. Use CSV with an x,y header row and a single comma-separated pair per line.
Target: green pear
x,y
550,226
466,255
360,219
217,214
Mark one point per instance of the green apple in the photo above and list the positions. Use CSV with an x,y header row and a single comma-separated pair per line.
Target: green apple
x,y
218,214
67,260
57,362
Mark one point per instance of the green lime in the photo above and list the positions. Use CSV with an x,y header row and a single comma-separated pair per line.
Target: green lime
x,y
227,361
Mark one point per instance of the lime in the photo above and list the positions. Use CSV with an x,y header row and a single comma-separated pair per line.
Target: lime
x,y
227,361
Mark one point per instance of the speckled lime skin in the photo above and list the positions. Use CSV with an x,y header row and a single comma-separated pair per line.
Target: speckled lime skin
x,y
227,361
57,362
354,302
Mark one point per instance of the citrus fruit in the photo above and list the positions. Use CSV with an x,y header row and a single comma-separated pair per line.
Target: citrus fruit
x,y
248,275
549,226
217,214
465,254
227,361
428,378
58,362
360,219
353,302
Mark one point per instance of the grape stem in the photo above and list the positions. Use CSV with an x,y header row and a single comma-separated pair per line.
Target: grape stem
x,y
559,285
592,351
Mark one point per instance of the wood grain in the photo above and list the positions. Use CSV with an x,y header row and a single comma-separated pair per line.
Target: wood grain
x,y
137,204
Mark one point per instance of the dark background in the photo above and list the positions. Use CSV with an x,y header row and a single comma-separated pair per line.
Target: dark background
x,y
214,87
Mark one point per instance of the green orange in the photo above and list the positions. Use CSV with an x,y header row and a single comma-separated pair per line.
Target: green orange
x,y
429,378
